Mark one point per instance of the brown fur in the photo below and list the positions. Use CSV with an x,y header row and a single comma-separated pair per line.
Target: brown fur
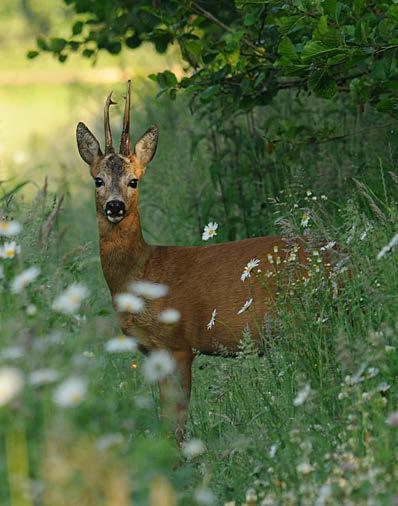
x,y
200,279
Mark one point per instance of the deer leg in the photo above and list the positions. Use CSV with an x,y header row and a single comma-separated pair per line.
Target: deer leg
x,y
175,392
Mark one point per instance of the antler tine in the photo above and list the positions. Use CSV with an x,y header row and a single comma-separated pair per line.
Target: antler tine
x,y
107,126
125,138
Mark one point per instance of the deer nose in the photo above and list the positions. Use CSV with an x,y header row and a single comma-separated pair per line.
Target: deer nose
x,y
115,208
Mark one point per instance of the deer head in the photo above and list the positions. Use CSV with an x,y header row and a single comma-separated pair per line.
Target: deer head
x,y
116,176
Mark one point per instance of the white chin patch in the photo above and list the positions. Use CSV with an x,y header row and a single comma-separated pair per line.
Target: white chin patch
x,y
115,219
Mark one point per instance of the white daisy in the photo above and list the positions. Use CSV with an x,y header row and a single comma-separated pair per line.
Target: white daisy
x,y
69,301
328,246
120,344
9,250
24,279
169,316
158,366
129,303
209,231
193,448
304,468
12,353
11,382
305,218
245,306
43,377
205,496
249,267
71,392
302,396
149,290
9,228
212,321
31,309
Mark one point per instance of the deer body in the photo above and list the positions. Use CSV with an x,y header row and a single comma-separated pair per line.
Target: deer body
x,y
200,279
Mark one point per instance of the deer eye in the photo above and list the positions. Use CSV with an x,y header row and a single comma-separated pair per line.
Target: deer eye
x,y
133,183
99,182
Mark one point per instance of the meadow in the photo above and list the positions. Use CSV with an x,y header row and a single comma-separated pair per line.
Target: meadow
x,y
312,421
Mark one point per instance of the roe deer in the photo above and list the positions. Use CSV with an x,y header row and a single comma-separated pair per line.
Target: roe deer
x,y
200,279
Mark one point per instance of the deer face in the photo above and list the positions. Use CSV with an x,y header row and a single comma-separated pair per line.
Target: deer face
x,y
116,176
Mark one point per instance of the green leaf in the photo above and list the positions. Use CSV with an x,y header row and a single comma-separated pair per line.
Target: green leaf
x,y
133,41
88,53
314,49
57,44
392,13
330,7
77,28
32,54
42,43
287,49
209,93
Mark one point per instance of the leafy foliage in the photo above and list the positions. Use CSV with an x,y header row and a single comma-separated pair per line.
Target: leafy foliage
x,y
242,54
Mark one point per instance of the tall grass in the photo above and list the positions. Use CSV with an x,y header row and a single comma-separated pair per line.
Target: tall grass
x,y
307,422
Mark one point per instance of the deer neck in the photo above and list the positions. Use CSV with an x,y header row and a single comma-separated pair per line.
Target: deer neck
x,y
123,250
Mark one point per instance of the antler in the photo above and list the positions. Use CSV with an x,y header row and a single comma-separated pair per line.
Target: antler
x,y
125,138
107,126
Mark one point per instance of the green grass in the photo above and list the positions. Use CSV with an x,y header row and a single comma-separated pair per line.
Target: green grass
x,y
337,443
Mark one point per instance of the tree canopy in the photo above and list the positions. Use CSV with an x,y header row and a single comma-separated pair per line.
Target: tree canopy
x,y
241,54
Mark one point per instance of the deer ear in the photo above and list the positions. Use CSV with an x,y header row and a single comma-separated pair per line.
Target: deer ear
x,y
87,144
145,148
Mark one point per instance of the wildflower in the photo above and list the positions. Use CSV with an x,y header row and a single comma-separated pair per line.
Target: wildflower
x,y
21,281
31,309
249,267
270,258
372,372
158,366
121,344
149,290
245,306
43,377
9,228
305,218
69,301
272,451
108,440
9,250
71,392
209,231
302,396
12,353
251,496
324,493
328,246
204,496
304,468
392,419
11,382
390,246
212,321
193,448
169,316
129,303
